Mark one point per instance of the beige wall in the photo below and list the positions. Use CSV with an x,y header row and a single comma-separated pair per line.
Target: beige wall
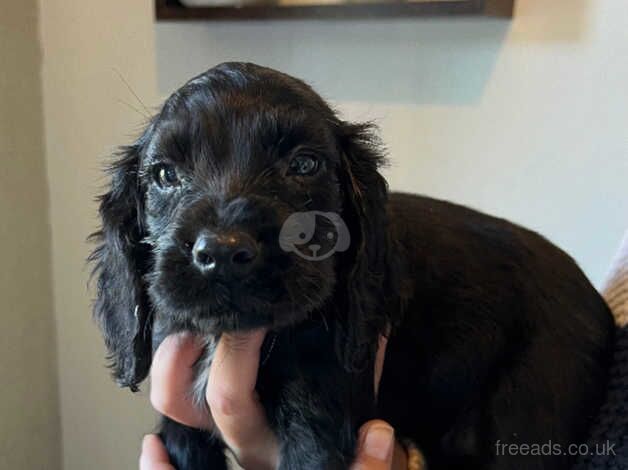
x,y
29,423
525,119
84,43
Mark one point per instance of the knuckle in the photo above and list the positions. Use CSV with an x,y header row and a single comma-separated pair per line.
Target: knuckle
x,y
222,401
247,460
237,341
161,400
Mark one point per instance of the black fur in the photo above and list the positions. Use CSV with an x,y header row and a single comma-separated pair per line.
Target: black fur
x,y
496,335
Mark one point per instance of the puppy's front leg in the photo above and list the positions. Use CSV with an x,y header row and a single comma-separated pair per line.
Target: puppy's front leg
x,y
192,449
313,431
317,419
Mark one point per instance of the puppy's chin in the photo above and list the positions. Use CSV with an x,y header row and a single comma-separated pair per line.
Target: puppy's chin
x,y
218,307
246,314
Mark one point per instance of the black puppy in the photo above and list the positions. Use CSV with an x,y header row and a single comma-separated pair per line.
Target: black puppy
x,y
247,202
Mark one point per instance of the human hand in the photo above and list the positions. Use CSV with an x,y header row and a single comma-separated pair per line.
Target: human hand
x,y
375,451
235,407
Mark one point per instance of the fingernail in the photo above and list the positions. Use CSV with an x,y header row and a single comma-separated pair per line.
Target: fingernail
x,y
379,442
145,440
182,337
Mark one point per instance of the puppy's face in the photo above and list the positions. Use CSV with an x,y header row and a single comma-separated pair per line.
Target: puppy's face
x,y
246,202
224,167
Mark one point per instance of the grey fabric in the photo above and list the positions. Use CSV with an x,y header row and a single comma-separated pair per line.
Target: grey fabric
x,y
616,286
611,425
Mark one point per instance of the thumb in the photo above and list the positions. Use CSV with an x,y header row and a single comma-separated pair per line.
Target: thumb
x,y
375,448
154,454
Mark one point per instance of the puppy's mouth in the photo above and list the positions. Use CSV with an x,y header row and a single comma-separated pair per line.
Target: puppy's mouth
x,y
224,297
222,306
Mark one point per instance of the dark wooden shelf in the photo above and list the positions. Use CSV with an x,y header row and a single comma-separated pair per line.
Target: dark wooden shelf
x,y
172,10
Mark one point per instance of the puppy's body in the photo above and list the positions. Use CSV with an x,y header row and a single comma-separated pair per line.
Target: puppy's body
x,y
496,336
504,341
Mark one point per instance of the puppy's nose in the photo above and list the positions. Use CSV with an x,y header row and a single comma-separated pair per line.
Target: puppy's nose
x,y
230,254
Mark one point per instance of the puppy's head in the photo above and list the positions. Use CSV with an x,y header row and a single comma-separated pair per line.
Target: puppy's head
x,y
201,225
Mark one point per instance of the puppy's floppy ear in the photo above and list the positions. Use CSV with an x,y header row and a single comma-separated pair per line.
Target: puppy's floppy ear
x,y
122,308
368,270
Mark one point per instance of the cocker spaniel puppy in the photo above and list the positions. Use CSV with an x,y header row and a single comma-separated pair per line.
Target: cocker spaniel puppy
x,y
247,202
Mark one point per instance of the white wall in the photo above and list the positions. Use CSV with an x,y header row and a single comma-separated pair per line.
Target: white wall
x,y
29,418
527,120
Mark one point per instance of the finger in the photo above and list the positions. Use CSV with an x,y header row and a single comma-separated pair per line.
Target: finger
x,y
234,404
376,446
379,361
154,455
172,376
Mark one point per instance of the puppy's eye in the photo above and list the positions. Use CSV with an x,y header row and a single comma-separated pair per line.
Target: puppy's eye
x,y
303,165
165,176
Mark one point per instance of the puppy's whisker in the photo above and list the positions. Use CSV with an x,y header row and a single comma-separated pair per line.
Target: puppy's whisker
x,y
133,108
322,315
259,178
147,115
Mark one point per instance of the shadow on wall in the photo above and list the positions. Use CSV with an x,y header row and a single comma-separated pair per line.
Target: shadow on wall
x,y
437,61
434,62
